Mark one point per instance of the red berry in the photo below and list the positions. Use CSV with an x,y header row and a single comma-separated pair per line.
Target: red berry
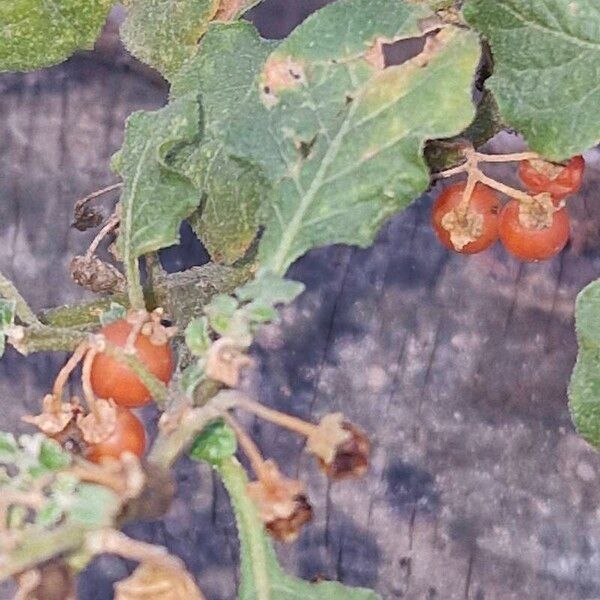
x,y
484,202
113,379
560,181
531,244
129,436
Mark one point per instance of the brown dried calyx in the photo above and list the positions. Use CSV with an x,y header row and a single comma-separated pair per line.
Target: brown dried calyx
x,y
463,228
538,214
92,273
156,582
282,503
99,424
56,416
225,361
151,326
548,169
341,448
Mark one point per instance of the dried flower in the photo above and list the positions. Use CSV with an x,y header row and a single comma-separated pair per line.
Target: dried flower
x,y
282,502
55,415
341,448
98,425
225,361
92,273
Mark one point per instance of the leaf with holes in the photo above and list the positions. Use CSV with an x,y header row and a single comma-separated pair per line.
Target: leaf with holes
x,y
223,72
584,388
36,34
340,137
546,69
261,576
156,197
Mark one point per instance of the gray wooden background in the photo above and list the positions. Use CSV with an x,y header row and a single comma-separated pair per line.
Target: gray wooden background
x,y
458,367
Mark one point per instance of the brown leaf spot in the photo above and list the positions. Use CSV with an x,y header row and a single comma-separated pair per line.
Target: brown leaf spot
x,y
280,74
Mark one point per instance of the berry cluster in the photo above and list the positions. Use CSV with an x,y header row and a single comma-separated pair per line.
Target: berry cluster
x,y
468,216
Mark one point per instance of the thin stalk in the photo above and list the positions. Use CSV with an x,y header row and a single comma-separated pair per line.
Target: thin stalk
x,y
134,283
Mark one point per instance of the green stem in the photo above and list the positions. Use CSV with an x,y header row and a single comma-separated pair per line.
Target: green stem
x,y
40,548
40,338
168,446
10,292
255,552
83,316
134,283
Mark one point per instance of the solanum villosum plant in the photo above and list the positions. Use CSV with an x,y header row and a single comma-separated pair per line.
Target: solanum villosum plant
x,y
270,148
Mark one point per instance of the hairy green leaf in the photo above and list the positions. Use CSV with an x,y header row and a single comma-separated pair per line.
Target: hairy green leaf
x,y
156,197
223,72
584,388
197,336
35,33
269,288
546,69
340,137
164,33
261,576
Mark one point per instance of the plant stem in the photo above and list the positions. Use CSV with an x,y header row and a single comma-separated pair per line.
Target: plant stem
x,y
64,373
169,444
10,292
515,157
505,189
256,553
43,339
274,416
39,548
248,446
134,284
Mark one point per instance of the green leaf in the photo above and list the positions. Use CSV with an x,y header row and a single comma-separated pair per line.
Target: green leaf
x,y
52,456
114,313
223,72
341,138
546,69
36,33
50,514
94,506
197,336
270,288
155,197
8,447
163,33
192,376
261,576
216,443
220,312
259,312
7,312
584,388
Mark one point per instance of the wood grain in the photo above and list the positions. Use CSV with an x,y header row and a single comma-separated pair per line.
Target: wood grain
x,y
457,367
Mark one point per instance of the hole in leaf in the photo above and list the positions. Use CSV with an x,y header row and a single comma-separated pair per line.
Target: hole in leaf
x,y
403,50
305,148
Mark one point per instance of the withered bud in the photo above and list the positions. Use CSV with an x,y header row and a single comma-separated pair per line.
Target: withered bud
x,y
95,275
341,448
55,417
282,503
86,217
225,362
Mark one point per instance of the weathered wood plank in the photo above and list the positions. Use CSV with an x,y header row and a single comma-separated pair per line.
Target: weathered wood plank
x,y
479,490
